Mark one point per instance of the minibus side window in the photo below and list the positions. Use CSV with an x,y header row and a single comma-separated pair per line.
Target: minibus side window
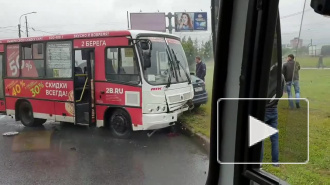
x,y
121,65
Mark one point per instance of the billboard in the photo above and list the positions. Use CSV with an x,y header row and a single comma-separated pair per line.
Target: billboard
x,y
148,21
190,21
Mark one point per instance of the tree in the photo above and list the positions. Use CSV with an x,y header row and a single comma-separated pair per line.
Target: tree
x,y
286,51
196,48
207,50
325,50
183,40
188,47
303,51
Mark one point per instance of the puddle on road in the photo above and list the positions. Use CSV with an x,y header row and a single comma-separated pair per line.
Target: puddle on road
x,y
32,141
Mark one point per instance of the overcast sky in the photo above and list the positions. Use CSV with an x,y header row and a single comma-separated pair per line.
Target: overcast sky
x,y
314,26
74,16
70,16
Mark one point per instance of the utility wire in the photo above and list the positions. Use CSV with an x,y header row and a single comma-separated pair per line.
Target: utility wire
x,y
7,30
7,27
37,30
47,32
297,13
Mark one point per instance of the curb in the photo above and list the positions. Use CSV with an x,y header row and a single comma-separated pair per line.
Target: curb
x,y
198,138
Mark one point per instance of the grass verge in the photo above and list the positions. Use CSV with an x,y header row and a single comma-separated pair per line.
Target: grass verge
x,y
315,86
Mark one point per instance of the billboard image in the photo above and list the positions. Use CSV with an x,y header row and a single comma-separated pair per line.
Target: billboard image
x,y
190,21
200,21
148,21
184,21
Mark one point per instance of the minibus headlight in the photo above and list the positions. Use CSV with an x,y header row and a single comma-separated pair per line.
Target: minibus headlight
x,y
156,108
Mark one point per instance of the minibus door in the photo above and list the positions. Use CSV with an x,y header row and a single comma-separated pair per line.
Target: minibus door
x,y
84,86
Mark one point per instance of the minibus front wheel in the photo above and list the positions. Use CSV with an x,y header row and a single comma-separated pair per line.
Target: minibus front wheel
x,y
120,124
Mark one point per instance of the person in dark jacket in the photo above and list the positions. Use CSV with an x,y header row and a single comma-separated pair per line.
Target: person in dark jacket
x,y
320,63
291,74
271,113
200,68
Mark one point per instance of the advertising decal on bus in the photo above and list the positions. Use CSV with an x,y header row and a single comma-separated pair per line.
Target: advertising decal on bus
x,y
13,60
41,89
68,36
100,42
118,94
27,68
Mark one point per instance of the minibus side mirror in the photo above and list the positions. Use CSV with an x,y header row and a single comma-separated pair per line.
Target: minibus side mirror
x,y
146,59
145,45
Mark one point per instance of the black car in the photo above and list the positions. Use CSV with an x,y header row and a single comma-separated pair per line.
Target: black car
x,y
201,96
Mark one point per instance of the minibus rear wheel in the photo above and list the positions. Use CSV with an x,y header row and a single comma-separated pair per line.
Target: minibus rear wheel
x,y
120,124
26,115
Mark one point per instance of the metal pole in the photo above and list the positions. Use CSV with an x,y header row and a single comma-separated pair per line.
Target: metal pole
x,y
26,26
315,51
19,30
170,27
127,21
19,25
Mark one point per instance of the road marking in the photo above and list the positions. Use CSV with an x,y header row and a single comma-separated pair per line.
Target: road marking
x,y
313,68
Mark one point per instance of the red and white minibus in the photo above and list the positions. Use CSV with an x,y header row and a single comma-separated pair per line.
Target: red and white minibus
x,y
124,80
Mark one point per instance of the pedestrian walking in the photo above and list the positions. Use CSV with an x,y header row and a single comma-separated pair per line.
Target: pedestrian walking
x,y
291,74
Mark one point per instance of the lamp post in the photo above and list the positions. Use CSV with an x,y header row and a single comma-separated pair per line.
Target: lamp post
x,y
19,25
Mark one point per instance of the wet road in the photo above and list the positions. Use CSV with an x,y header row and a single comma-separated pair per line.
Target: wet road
x,y
67,154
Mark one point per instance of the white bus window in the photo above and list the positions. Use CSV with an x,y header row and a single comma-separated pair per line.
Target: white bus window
x,y
58,60
27,51
32,64
38,51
